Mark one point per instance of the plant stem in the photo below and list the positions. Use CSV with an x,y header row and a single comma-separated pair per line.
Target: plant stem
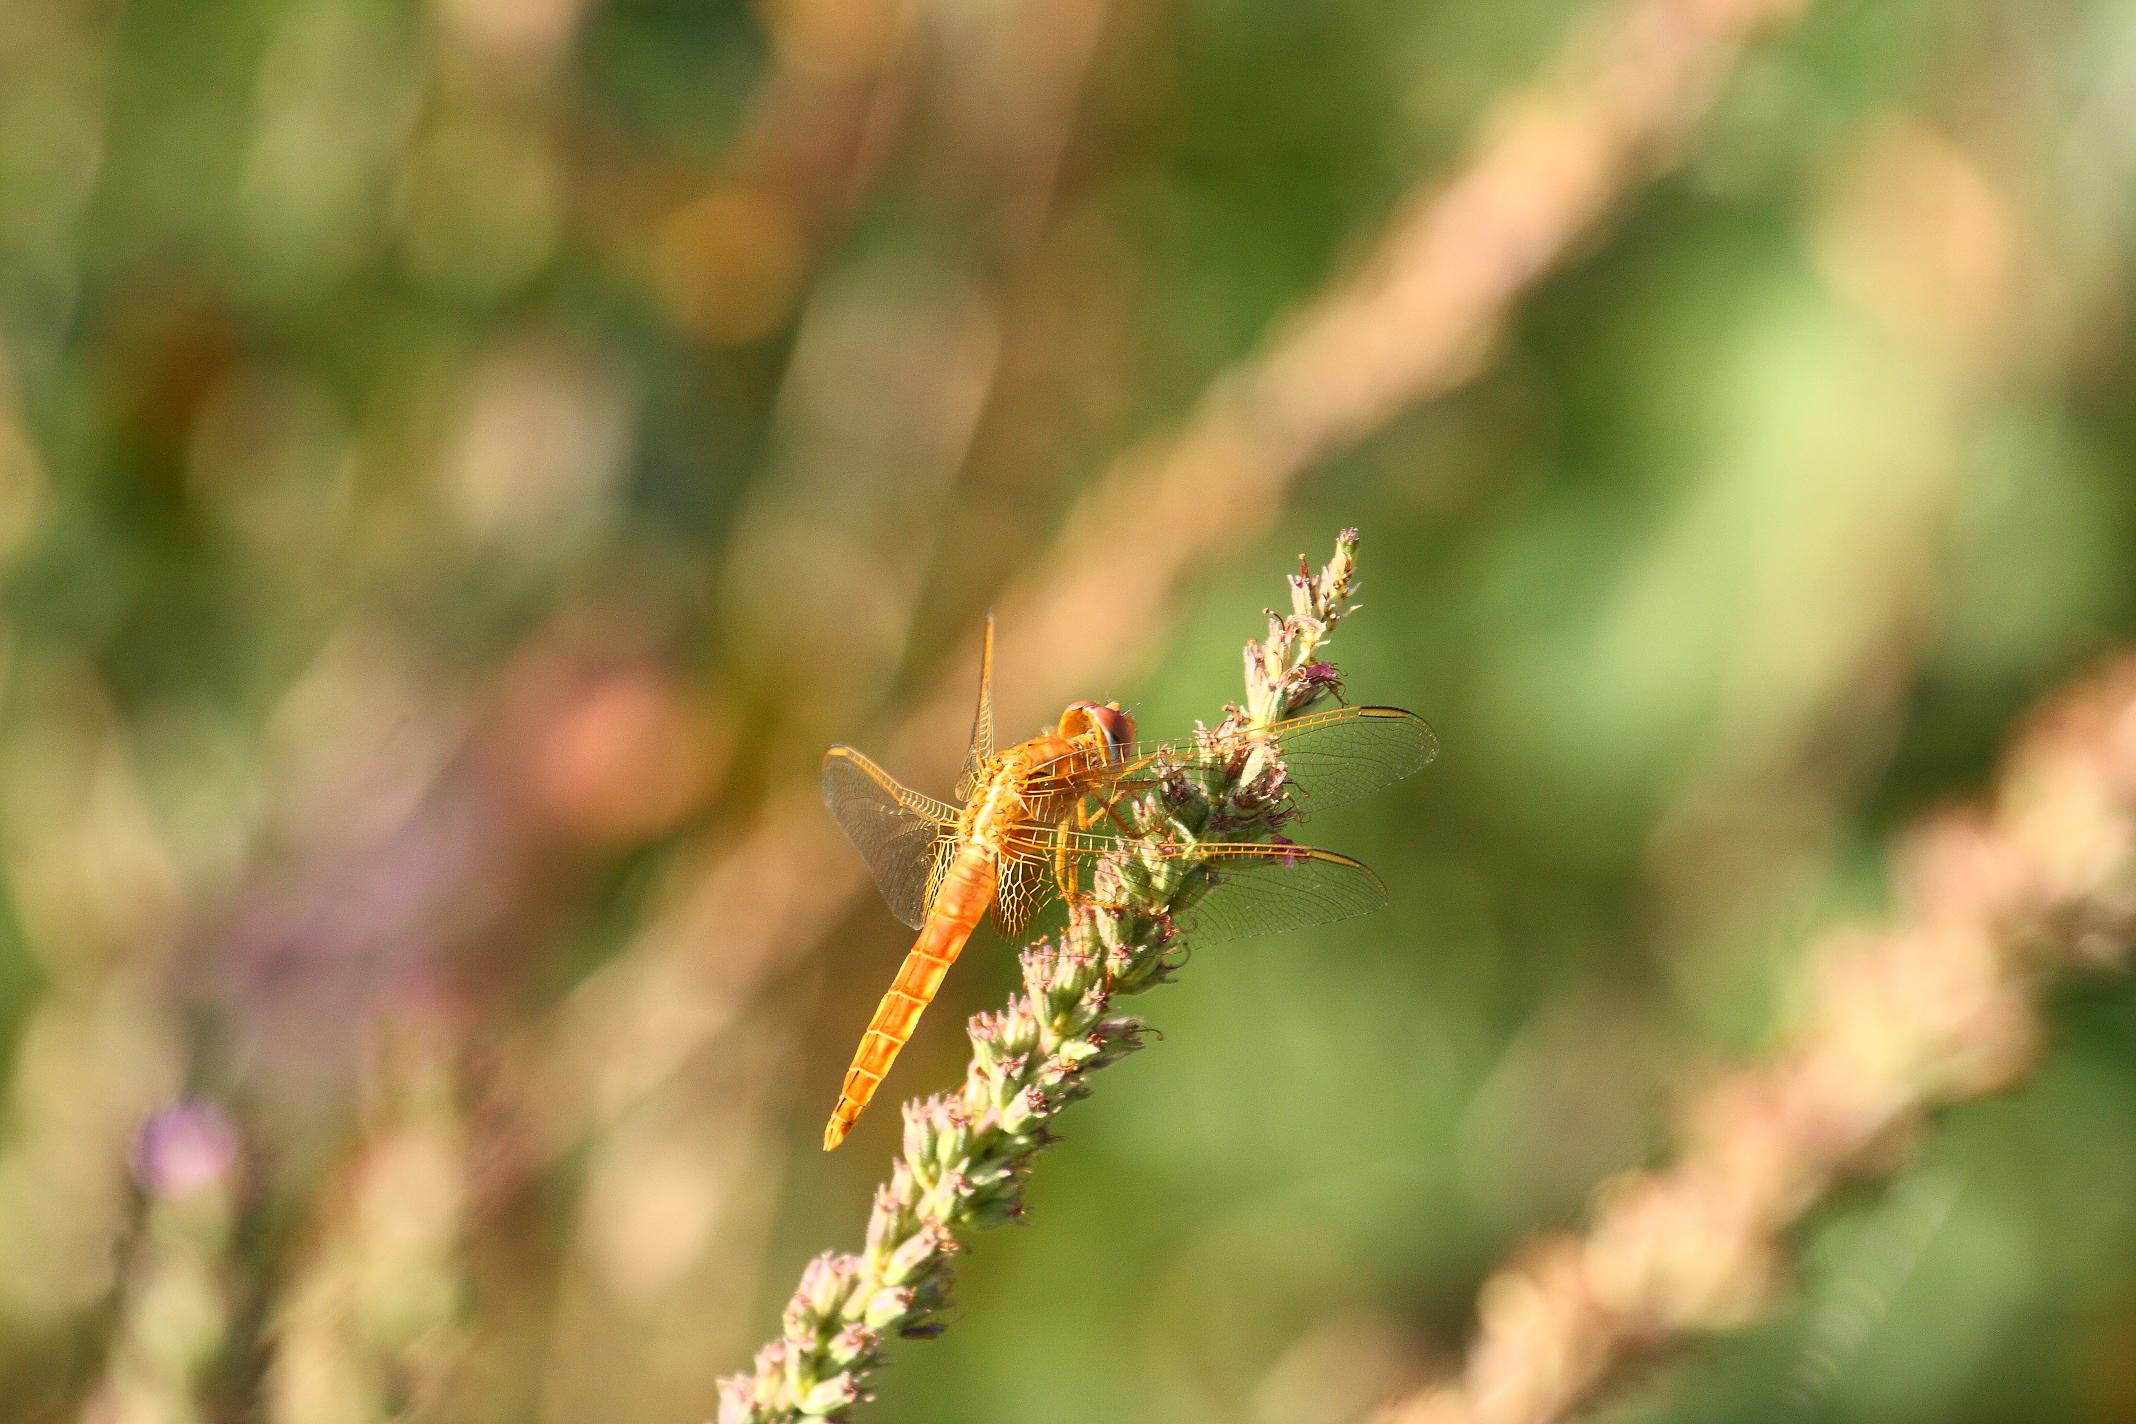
x,y
967,1155
1940,1006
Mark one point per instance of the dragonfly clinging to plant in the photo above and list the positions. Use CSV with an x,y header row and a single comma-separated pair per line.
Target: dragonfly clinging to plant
x,y
1022,835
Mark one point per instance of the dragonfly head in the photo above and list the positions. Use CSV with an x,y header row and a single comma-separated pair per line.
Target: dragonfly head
x,y
1114,729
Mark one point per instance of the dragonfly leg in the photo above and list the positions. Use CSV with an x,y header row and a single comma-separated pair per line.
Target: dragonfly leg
x,y
1112,813
1067,869
1064,869
1085,816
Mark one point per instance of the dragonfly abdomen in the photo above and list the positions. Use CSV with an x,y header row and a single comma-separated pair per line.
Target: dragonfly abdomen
x,y
967,889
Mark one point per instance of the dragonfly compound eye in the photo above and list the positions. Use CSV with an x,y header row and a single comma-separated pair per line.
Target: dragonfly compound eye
x,y
1105,718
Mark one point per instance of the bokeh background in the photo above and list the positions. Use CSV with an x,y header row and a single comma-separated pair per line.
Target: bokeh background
x,y
461,462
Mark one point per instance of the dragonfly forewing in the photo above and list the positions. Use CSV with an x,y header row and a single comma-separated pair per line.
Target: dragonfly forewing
x,y
1338,755
982,746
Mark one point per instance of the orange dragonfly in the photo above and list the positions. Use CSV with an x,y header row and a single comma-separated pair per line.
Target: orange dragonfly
x,y
1020,838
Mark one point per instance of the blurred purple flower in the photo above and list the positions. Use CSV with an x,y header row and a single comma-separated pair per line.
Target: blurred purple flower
x,y
184,1148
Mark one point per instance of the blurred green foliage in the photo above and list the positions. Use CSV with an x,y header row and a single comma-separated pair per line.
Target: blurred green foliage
x,y
458,463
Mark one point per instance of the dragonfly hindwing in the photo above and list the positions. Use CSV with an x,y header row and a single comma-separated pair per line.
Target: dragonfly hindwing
x,y
1025,886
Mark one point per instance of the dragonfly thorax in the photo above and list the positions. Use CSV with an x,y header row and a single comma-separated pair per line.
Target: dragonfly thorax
x,y
1037,782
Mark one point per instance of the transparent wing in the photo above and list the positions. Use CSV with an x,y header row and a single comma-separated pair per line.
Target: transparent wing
x,y
1232,889
1343,753
897,831
982,719
1026,887
1333,757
